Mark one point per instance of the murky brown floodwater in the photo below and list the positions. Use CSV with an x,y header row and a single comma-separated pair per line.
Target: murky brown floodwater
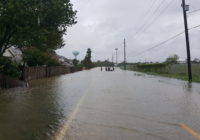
x,y
94,105
35,113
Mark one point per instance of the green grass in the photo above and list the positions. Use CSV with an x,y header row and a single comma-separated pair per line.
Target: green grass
x,y
178,71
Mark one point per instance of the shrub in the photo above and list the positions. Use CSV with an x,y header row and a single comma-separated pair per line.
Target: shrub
x,y
152,67
7,67
36,57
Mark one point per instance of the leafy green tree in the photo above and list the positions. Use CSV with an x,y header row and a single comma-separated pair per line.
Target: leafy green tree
x,y
173,59
35,57
7,67
34,23
75,62
105,63
87,62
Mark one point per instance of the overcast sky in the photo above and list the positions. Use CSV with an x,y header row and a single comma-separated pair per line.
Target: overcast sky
x,y
103,24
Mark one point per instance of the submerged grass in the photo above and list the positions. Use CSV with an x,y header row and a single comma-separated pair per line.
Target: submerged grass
x,y
178,71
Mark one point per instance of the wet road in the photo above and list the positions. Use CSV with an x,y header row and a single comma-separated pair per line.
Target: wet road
x,y
94,105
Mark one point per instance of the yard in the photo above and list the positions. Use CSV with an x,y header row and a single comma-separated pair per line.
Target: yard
x,y
178,71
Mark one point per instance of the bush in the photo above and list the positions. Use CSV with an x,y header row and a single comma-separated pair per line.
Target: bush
x,y
75,62
52,62
173,59
152,67
7,67
35,57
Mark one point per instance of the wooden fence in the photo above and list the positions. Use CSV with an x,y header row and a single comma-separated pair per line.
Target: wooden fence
x,y
33,73
8,82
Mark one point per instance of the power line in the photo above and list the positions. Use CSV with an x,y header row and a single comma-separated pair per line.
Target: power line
x,y
194,27
145,14
149,19
146,25
158,45
156,17
194,11
162,43
151,15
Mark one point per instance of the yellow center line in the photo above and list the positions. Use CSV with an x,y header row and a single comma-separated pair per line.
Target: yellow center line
x,y
189,130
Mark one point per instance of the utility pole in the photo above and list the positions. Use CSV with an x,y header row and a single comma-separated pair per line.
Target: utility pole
x,y
112,59
185,9
116,49
124,54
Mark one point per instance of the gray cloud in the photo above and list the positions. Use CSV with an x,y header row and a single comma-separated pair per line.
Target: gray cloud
x,y
102,26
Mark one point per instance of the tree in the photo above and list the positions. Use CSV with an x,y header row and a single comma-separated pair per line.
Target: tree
x,y
75,62
7,67
34,23
173,59
87,62
105,63
196,60
35,57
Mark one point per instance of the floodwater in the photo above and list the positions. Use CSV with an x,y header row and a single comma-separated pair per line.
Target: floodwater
x,y
95,105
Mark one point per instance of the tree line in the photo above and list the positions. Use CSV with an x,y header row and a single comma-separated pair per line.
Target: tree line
x,y
36,27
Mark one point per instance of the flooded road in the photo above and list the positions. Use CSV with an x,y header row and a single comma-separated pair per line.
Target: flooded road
x,y
95,105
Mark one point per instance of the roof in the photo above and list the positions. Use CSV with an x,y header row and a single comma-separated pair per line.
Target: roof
x,y
14,53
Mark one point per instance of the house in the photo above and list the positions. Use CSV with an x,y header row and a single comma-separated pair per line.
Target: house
x,y
15,54
62,60
196,60
65,61
182,61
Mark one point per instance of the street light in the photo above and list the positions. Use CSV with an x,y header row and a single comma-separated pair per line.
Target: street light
x,y
116,49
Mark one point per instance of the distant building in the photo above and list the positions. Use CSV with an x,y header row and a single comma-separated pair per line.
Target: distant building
x,y
65,61
182,61
196,60
62,60
15,54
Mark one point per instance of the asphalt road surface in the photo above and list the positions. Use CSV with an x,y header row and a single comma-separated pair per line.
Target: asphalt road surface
x,y
95,105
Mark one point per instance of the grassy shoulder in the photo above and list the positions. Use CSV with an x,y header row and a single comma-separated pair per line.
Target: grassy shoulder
x,y
181,76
